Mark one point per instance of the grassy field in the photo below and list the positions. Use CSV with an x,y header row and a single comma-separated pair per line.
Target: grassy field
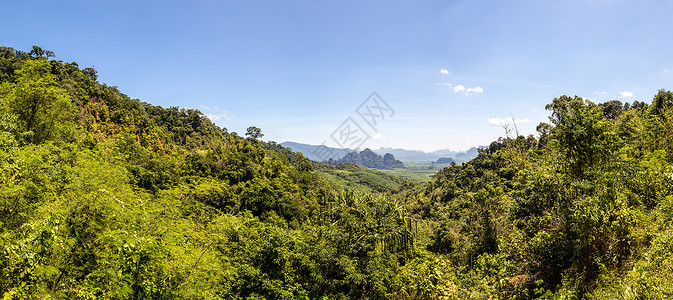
x,y
418,171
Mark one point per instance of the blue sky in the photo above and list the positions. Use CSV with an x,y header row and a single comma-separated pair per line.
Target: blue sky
x,y
450,70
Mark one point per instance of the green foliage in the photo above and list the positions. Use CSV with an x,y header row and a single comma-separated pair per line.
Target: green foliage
x,y
352,177
296,159
10,61
372,223
43,110
254,133
103,196
569,215
580,133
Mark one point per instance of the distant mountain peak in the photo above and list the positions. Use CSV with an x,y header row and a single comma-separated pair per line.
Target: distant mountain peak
x,y
369,159
324,153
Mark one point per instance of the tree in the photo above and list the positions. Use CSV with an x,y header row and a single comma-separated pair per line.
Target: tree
x,y
254,133
662,100
580,133
10,60
38,52
42,108
611,109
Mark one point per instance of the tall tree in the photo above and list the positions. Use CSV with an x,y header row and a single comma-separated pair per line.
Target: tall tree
x,y
42,108
254,133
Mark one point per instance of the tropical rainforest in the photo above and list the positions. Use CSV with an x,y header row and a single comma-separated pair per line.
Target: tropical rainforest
x,y
107,197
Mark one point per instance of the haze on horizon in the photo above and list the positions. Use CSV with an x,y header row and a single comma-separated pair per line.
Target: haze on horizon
x,y
452,71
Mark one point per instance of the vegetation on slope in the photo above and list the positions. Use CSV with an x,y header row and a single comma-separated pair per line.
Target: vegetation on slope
x,y
103,196
581,212
352,177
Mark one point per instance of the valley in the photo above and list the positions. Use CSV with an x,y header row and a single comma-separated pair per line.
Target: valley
x,y
108,197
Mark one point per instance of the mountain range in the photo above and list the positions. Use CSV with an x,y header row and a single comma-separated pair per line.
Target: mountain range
x,y
324,153
369,159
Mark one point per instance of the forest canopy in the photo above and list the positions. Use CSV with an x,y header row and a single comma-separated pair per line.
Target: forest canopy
x,y
104,196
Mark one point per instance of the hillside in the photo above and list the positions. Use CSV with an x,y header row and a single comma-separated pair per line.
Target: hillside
x,y
581,212
107,197
103,196
444,161
318,153
349,176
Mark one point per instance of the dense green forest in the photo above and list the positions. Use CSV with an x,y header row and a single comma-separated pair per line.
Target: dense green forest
x,y
107,197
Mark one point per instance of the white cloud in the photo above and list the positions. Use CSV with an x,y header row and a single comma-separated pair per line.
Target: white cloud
x,y
500,121
626,94
444,71
221,116
461,88
468,91
474,90
214,113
